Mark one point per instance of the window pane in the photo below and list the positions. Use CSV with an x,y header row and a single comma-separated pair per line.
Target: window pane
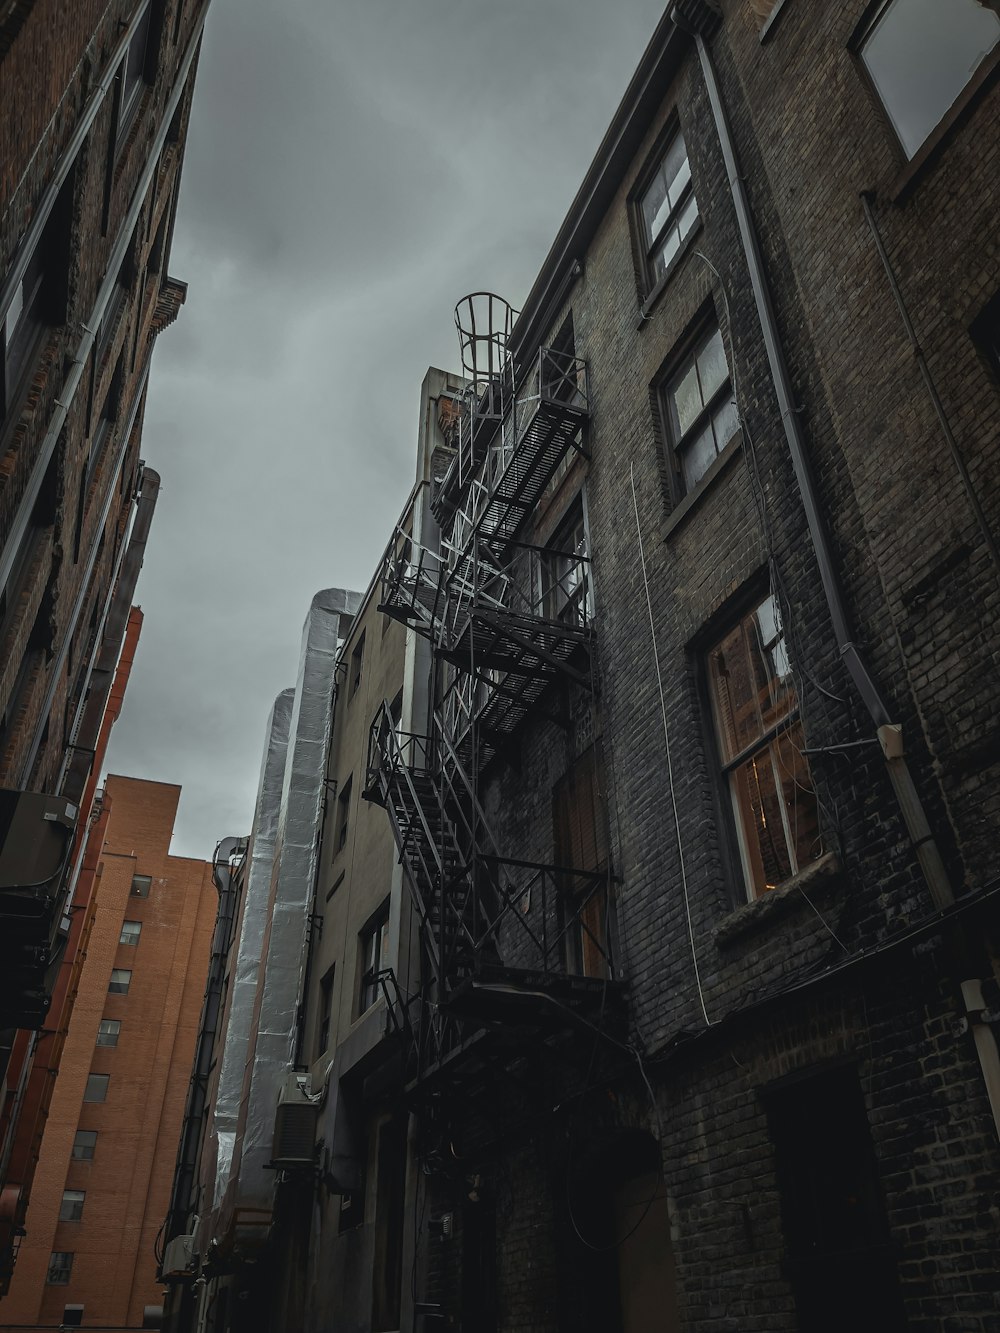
x,y
685,401
60,1267
107,1033
801,816
661,260
121,979
71,1208
97,1088
131,930
758,815
698,457
712,369
676,170
687,217
725,423
141,885
84,1144
921,54
655,207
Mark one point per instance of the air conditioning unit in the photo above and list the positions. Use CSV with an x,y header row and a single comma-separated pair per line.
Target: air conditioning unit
x,y
178,1257
294,1144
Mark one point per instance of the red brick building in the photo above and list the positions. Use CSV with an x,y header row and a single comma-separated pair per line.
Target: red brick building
x,y
103,1181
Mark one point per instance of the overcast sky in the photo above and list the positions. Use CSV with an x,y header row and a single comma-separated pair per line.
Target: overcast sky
x,y
353,167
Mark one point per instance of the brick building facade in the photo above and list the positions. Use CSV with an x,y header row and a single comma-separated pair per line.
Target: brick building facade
x,y
94,104
699,826
107,1158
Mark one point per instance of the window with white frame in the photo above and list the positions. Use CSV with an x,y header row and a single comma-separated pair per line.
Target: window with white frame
x,y
699,409
921,54
760,741
667,210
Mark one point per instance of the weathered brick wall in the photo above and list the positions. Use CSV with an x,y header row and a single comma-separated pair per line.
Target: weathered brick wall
x,y
922,596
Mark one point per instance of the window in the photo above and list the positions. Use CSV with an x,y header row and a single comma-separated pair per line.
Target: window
x,y
152,1316
60,1267
760,743
71,1208
72,1316
357,660
97,1088
141,885
121,979
699,408
565,581
84,1145
132,72
390,1192
920,54
374,942
580,836
839,1258
325,1010
131,930
986,332
667,210
108,1032
343,813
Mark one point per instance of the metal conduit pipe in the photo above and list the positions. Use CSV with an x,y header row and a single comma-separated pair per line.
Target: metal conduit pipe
x,y
889,733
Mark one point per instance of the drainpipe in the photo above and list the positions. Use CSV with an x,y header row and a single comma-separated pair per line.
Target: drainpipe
x,y
693,16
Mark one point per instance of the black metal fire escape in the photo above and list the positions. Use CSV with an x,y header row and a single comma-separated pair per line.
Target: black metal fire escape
x,y
507,620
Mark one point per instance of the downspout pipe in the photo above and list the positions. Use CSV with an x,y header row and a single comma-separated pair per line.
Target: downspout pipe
x,y
889,733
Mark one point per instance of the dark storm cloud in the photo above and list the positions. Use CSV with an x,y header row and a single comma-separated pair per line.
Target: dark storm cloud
x,y
351,170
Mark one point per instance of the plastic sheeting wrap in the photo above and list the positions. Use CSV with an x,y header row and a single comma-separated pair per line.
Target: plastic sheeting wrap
x,y
273,1029
235,1034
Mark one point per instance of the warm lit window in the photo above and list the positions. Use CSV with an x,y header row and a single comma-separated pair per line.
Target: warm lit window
x,y
760,744
97,1088
60,1267
565,581
700,409
141,885
108,1032
84,1145
71,1208
121,979
920,55
374,942
667,210
131,930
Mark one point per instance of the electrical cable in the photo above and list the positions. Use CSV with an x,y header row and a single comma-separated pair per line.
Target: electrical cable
x,y
666,739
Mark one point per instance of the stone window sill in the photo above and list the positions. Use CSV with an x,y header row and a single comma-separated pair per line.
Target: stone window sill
x,y
816,879
693,499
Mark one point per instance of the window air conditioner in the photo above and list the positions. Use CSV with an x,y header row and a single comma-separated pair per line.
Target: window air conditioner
x,y
294,1145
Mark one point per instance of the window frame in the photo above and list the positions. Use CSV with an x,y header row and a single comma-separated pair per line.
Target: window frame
x,y
108,1027
573,607
343,815
127,937
647,244
326,983
71,1205
114,981
357,664
870,19
686,355
141,885
84,1156
373,944
59,1276
95,1080
727,769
